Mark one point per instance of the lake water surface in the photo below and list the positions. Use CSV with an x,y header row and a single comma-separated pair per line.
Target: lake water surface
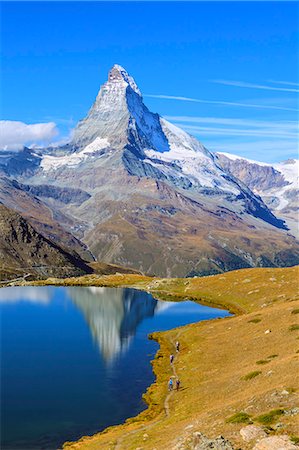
x,y
76,360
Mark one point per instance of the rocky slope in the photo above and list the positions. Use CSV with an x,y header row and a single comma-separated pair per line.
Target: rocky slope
x,y
277,184
142,193
42,217
22,247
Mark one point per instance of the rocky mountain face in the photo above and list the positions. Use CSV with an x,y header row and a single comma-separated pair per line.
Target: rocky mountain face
x,y
43,218
142,193
22,247
277,184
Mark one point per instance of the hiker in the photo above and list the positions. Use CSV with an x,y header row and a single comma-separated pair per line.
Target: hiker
x,y
171,358
177,384
170,384
177,346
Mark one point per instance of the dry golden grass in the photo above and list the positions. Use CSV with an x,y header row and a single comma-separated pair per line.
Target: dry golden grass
x,y
216,360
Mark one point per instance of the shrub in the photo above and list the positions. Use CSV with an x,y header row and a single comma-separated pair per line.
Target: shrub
x,y
240,417
270,417
251,375
256,320
262,361
272,356
295,311
294,327
295,439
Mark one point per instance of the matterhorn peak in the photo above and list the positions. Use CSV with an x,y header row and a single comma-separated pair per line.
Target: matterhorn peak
x,y
118,74
119,115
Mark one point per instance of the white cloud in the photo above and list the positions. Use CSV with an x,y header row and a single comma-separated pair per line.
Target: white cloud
x,y
14,135
286,125
41,295
216,102
288,83
266,132
254,86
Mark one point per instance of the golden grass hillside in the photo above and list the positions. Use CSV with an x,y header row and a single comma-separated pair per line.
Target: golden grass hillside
x,y
233,371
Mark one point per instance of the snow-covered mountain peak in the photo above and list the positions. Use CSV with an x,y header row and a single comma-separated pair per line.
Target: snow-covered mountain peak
x,y
118,74
119,115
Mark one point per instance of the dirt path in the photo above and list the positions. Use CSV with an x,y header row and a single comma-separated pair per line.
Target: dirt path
x,y
118,445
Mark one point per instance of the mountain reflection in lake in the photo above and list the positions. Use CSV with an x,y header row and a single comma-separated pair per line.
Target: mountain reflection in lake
x,y
76,360
113,315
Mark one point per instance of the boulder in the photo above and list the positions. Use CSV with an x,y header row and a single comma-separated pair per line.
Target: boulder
x,y
275,443
252,433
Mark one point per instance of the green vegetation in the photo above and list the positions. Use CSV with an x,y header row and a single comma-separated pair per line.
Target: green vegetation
x,y
294,327
291,390
295,439
251,375
295,311
270,417
240,417
272,356
256,320
263,361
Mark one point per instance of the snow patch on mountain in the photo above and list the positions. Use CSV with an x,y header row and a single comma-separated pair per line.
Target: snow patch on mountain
x,y
237,157
49,162
188,157
290,170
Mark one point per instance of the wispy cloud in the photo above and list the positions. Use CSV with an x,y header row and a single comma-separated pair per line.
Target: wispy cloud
x,y
219,102
14,135
287,83
205,126
263,140
288,125
267,132
244,84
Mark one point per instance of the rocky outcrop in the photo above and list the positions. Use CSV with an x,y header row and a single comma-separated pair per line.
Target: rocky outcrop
x,y
22,247
252,433
202,442
275,443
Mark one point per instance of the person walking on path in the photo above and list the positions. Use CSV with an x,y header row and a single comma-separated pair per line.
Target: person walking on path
x,y
171,358
177,346
177,384
170,384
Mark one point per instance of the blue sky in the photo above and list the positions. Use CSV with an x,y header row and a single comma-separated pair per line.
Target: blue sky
x,y
227,72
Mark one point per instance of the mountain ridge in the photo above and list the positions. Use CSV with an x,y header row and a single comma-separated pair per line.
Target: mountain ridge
x,y
277,184
152,196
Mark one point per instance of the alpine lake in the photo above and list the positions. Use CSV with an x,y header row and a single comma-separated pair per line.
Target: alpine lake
x,y
77,359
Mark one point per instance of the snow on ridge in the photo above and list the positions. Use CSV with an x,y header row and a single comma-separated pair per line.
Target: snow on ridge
x,y
289,168
236,157
188,158
55,162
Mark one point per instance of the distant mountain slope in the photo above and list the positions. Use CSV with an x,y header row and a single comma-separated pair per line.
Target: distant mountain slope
x,y
277,184
49,223
143,193
21,246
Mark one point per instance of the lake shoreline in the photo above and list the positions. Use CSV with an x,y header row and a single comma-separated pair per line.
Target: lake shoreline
x,y
245,304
